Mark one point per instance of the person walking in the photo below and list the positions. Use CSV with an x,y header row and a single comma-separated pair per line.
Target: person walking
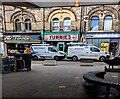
x,y
117,51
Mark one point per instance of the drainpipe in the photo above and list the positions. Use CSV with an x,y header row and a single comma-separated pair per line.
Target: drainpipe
x,y
4,30
43,27
81,26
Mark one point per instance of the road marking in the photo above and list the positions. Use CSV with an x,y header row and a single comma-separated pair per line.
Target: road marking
x,y
77,77
62,87
115,76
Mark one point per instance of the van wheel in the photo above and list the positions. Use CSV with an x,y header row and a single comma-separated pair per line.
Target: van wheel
x,y
35,58
102,58
56,58
75,58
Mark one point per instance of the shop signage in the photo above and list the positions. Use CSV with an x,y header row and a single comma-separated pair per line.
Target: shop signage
x,y
16,37
103,35
62,37
20,37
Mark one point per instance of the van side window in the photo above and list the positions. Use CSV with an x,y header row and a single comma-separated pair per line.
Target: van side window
x,y
51,49
93,49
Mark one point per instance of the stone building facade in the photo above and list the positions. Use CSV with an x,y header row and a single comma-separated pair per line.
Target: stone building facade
x,y
62,25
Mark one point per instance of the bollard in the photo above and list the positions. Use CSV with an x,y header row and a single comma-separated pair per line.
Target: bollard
x,y
86,62
49,63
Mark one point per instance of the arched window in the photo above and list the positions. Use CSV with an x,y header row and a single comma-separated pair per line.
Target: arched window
x,y
55,24
108,22
27,25
94,23
66,24
17,25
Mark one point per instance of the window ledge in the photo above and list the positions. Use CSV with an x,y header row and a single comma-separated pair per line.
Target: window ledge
x,y
103,31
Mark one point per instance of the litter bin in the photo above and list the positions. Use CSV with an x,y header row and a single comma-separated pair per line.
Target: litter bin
x,y
23,61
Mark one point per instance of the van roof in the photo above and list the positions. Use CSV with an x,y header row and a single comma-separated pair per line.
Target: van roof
x,y
81,46
40,44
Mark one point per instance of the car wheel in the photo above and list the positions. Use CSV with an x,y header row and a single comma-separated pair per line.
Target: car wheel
x,y
56,58
102,58
35,58
75,58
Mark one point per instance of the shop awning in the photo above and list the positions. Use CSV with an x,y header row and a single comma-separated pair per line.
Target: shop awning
x,y
63,32
22,42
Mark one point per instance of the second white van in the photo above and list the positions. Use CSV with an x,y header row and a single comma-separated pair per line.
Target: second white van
x,y
87,52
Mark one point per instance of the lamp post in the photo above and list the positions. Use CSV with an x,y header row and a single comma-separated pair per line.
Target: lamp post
x,y
84,35
42,33
43,27
85,22
77,4
4,30
81,24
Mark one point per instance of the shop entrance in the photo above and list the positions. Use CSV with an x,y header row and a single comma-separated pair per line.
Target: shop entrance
x,y
61,46
113,47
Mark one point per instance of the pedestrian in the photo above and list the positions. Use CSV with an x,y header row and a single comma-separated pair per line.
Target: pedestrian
x,y
116,51
27,50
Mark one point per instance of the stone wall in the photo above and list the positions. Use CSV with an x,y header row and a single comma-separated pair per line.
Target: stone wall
x,y
39,14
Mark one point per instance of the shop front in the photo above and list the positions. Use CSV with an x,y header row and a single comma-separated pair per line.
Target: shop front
x,y
60,39
105,41
18,43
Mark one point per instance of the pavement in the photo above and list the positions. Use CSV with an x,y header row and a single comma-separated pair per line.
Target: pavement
x,y
65,80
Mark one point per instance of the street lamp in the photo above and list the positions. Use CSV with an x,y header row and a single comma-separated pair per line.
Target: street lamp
x,y
85,19
43,28
76,3
84,36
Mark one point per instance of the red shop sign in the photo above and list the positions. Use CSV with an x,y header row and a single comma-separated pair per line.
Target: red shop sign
x,y
66,37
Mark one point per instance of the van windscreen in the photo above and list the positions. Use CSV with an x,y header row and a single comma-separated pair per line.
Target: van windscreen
x,y
52,49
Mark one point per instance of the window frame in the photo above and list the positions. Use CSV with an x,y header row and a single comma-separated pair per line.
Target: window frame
x,y
18,26
111,19
28,25
92,22
58,26
67,25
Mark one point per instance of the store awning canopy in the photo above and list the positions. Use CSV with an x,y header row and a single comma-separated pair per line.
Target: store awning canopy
x,y
55,3
23,41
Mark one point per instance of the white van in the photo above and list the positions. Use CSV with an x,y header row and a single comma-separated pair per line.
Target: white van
x,y
88,52
46,51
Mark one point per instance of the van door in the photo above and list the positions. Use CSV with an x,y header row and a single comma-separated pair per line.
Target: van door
x,y
94,52
52,52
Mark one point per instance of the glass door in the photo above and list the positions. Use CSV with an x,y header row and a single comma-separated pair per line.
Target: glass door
x,y
61,46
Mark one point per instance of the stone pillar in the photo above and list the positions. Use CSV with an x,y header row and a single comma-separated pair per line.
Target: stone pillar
x,y
61,26
101,23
